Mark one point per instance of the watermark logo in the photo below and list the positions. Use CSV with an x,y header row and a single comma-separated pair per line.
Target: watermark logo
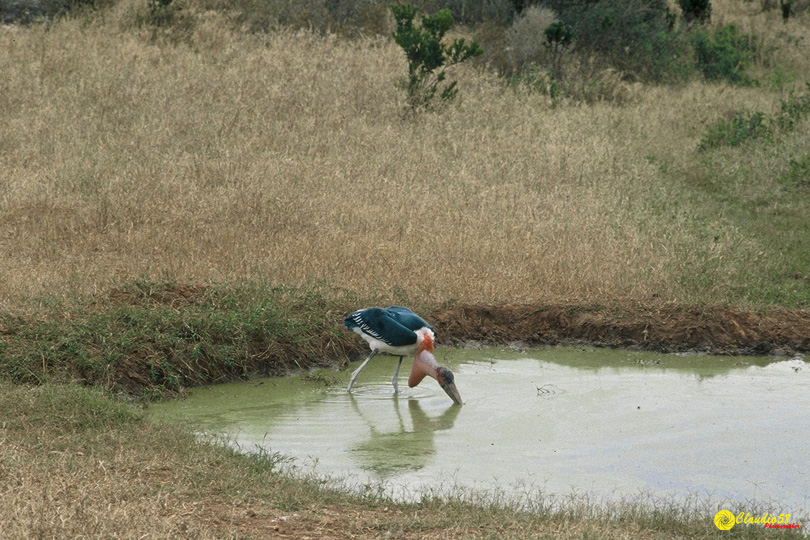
x,y
725,520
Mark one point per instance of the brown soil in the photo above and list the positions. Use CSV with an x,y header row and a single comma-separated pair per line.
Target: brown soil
x,y
154,364
665,328
715,330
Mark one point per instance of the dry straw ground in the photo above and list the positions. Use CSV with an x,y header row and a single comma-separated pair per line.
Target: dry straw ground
x,y
225,155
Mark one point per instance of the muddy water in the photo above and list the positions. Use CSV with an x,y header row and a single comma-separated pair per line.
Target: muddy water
x,y
609,424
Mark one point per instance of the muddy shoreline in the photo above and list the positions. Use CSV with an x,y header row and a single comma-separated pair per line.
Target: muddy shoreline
x,y
155,341
714,330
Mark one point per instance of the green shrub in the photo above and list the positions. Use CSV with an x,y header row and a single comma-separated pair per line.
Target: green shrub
x,y
745,125
793,109
161,12
798,173
428,55
696,10
742,126
559,37
636,37
723,53
559,34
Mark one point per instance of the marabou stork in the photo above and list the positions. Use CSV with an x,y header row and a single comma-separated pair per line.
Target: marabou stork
x,y
399,331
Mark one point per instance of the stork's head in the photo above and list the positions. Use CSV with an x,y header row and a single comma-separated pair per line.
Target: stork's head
x,y
448,384
425,364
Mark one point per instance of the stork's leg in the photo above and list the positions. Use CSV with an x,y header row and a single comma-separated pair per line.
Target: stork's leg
x,y
358,370
396,376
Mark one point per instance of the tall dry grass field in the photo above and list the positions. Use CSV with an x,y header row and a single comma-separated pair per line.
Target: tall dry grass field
x,y
286,156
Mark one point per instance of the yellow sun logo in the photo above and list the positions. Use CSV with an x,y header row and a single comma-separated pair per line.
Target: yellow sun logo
x,y
724,520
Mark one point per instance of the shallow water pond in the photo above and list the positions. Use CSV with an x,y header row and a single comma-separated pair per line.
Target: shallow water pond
x,y
604,423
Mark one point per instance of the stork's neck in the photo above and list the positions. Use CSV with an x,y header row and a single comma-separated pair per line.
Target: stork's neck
x,y
424,364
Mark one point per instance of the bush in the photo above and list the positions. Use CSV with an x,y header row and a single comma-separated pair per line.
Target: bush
x,y
798,173
428,54
559,37
696,10
559,34
637,37
161,12
723,53
745,125
525,39
742,126
793,109
543,58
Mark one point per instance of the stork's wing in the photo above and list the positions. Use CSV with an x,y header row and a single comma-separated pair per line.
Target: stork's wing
x,y
409,319
382,325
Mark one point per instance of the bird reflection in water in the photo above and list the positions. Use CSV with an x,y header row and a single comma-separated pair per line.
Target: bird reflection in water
x,y
407,447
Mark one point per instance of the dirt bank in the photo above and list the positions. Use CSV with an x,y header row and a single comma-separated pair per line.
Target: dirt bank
x,y
669,329
152,339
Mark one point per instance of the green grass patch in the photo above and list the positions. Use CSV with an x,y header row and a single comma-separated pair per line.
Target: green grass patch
x,y
155,337
733,131
744,125
753,177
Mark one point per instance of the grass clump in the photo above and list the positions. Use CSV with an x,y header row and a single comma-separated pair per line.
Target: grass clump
x,y
748,125
742,126
798,173
794,109
151,338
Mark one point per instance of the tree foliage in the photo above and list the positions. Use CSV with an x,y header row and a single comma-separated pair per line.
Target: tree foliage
x,y
429,54
696,10
636,37
723,53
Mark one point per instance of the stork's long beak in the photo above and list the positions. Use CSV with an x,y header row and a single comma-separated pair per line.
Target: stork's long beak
x,y
448,383
452,391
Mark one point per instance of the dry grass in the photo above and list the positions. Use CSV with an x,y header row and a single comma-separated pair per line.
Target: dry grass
x,y
217,155
58,484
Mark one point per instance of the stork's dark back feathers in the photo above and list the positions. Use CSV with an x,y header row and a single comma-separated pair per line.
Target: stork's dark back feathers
x,y
395,326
